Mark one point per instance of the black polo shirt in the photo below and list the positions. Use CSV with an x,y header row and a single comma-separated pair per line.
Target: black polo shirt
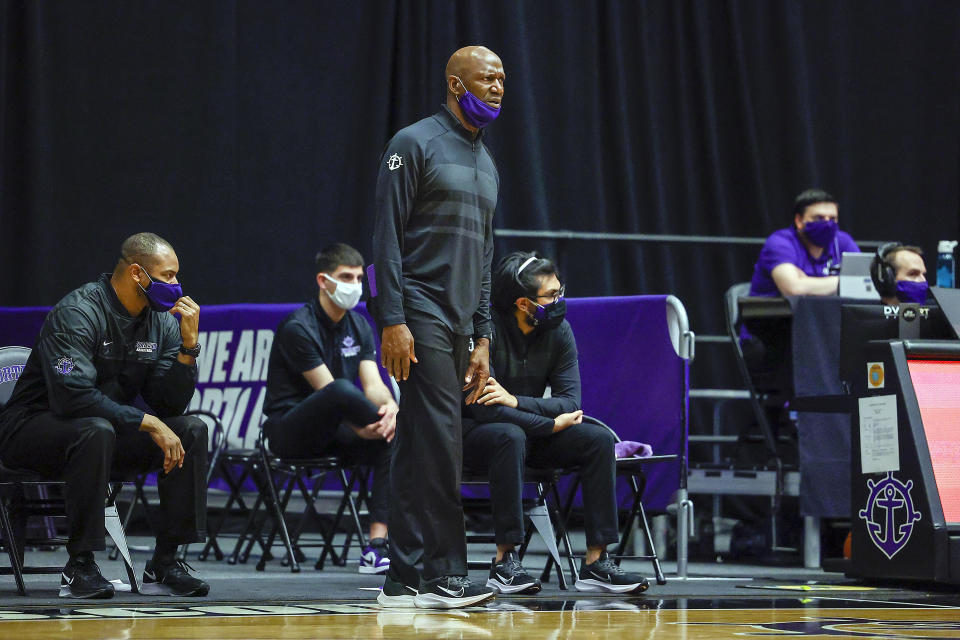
x,y
306,339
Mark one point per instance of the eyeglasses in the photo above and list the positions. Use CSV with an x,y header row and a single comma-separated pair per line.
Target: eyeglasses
x,y
554,298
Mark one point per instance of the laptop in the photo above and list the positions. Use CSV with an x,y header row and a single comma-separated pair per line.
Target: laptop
x,y
855,281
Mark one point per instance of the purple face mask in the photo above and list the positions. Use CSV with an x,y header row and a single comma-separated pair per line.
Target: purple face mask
x,y
910,291
161,295
821,232
476,111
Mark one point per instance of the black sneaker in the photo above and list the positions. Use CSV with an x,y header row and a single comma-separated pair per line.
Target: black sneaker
x,y
606,575
451,592
171,579
81,579
396,594
509,576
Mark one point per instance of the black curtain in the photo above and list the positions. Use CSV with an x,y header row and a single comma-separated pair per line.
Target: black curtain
x,y
248,133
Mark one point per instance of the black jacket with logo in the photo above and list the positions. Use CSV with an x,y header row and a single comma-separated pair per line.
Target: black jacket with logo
x,y
92,359
433,231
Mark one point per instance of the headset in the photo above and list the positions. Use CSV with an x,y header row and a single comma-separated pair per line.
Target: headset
x,y
884,277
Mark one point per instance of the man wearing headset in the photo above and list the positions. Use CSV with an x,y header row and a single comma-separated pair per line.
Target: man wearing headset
x,y
899,274
512,425
312,404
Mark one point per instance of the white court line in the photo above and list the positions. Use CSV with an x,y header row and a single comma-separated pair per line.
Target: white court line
x,y
906,605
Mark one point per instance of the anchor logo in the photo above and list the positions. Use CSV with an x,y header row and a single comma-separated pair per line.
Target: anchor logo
x,y
889,514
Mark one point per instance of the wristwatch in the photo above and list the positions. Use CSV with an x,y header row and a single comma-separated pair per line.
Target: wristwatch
x,y
193,352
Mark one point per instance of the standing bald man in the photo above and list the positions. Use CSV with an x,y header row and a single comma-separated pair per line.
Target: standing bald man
x,y
433,245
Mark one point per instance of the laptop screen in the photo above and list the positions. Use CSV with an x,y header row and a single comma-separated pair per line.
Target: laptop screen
x,y
937,386
855,281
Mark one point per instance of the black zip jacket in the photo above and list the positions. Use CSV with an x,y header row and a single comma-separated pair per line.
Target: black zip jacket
x,y
433,228
524,365
92,359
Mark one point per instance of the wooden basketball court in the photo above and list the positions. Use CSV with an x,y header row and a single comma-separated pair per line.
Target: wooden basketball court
x,y
649,618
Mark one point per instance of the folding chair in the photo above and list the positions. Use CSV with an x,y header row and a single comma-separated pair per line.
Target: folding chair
x,y
278,478
759,402
632,470
234,466
540,515
17,504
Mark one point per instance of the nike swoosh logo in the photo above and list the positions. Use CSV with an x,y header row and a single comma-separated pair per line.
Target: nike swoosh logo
x,y
599,577
504,580
66,579
455,594
107,343
150,575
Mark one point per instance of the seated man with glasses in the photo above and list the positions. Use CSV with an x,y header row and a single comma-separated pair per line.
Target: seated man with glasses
x,y
512,425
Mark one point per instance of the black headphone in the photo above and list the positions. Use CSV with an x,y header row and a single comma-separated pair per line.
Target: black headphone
x,y
884,277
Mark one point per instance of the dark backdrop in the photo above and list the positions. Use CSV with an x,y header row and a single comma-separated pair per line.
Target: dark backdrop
x,y
248,133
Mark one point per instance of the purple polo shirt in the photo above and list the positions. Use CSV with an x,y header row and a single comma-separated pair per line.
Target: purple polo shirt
x,y
784,245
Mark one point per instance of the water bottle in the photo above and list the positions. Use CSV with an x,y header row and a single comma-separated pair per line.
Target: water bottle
x,y
945,264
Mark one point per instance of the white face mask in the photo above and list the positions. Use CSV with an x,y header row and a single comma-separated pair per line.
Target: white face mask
x,y
346,295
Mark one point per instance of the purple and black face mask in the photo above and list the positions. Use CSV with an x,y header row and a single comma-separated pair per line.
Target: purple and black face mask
x,y
160,295
910,291
821,232
476,111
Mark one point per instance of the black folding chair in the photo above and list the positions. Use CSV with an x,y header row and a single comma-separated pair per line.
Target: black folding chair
x,y
542,518
278,478
24,494
633,470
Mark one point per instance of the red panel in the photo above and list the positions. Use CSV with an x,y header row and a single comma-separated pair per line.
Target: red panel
x,y
937,385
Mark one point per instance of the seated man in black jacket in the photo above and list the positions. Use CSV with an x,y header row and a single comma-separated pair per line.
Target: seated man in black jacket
x,y
71,415
512,425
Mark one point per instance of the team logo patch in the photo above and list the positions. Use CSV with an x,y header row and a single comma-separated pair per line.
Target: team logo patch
x,y
889,514
349,348
10,373
394,162
146,347
64,365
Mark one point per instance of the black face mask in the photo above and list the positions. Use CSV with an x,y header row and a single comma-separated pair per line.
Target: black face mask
x,y
548,317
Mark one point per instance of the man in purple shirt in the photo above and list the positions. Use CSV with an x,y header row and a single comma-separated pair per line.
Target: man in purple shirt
x,y
803,259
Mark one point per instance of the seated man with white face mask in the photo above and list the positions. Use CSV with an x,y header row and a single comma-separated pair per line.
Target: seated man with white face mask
x,y
313,405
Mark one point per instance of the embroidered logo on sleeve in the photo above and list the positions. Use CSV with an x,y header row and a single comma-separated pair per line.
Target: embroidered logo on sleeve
x,y
394,162
64,365
146,347
350,348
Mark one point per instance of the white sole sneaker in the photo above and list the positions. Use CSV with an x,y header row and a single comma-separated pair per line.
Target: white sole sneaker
x,y
368,570
434,601
400,602
596,585
498,586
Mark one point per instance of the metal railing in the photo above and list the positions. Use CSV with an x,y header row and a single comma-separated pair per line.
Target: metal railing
x,y
604,236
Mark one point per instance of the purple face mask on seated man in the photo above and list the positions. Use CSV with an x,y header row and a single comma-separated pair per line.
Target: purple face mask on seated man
x,y
821,232
161,295
910,291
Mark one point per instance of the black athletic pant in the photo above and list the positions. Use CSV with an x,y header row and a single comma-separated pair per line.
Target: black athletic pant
x,y
504,450
425,475
87,452
316,427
